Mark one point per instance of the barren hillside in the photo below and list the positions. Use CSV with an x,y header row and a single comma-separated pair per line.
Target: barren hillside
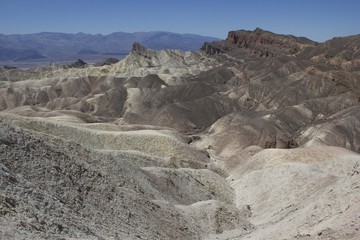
x,y
253,137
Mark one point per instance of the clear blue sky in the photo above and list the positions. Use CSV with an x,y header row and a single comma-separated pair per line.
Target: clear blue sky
x,y
316,19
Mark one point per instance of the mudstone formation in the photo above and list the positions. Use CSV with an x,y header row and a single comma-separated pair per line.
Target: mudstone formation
x,y
253,137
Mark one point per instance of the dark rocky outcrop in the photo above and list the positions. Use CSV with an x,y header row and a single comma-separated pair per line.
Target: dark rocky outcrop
x,y
78,64
259,42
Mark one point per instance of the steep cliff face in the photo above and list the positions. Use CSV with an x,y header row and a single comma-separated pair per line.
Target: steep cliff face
x,y
259,42
268,44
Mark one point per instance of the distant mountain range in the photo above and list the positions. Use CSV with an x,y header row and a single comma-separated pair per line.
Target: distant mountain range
x,y
64,46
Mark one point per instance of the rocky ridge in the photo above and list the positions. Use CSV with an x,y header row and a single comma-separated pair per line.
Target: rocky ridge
x,y
260,42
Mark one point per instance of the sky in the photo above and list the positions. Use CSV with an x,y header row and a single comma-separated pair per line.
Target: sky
x,y
318,20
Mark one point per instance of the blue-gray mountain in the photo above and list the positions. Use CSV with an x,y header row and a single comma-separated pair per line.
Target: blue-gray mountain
x,y
64,46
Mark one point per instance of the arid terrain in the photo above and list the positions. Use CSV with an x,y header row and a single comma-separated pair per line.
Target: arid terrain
x,y
252,137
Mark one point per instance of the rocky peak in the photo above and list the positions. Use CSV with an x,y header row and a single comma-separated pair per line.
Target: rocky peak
x,y
259,30
259,42
78,64
138,48
268,44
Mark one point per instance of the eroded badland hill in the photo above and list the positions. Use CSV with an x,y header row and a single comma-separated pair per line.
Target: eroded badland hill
x,y
253,137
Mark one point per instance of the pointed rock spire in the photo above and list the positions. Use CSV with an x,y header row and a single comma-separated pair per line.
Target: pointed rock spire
x,y
138,48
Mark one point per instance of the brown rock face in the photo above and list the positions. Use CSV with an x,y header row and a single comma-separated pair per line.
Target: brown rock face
x,y
264,43
259,42
138,48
